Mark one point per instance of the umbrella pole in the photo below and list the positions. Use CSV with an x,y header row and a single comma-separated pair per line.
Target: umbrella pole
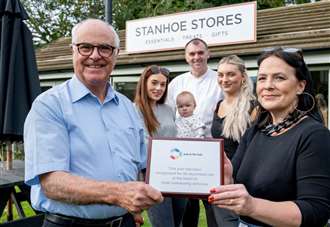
x,y
9,166
9,152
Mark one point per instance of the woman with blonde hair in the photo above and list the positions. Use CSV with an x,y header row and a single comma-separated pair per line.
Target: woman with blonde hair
x,y
159,120
232,116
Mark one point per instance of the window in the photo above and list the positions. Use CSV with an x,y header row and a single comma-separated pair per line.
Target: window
x,y
321,87
125,85
126,88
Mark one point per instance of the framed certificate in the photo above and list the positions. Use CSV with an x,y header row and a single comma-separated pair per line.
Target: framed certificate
x,y
185,167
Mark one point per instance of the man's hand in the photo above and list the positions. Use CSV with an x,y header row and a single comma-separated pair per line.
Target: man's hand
x,y
137,196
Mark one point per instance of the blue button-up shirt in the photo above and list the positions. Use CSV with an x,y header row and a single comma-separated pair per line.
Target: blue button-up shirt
x,y
69,129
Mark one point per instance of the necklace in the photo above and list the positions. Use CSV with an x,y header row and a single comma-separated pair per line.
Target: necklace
x,y
291,119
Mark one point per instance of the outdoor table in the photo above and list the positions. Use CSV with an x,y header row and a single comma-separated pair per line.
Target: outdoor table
x,y
8,180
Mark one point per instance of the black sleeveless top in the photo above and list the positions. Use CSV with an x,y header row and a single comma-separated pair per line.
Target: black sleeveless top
x,y
216,130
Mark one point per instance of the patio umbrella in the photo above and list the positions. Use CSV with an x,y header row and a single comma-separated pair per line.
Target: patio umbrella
x,y
19,82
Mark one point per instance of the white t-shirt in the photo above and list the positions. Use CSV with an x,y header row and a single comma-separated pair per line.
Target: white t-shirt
x,y
205,89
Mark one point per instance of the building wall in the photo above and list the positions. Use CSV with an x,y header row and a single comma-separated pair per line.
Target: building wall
x,y
125,77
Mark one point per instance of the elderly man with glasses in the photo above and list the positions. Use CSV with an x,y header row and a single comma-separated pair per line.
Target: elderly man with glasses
x,y
84,143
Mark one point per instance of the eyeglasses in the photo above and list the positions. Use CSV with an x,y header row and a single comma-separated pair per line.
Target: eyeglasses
x,y
86,49
157,69
290,50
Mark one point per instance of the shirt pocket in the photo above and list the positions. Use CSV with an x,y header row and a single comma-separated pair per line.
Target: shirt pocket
x,y
127,152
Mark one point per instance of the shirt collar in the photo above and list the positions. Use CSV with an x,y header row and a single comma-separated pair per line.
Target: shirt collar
x,y
79,91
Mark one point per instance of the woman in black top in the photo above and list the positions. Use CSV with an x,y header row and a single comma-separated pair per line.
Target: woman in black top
x,y
232,116
281,167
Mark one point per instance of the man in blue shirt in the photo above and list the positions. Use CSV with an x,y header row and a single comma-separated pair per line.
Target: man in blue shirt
x,y
84,142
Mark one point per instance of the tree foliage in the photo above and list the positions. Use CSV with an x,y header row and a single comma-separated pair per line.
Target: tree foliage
x,y
127,9
50,20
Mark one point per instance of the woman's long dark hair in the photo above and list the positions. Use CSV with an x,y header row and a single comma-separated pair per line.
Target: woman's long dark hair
x,y
142,100
294,58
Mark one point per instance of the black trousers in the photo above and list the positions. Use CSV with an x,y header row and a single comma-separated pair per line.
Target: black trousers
x,y
191,214
213,218
128,221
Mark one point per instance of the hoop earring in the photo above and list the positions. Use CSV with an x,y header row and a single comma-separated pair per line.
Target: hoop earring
x,y
304,112
243,84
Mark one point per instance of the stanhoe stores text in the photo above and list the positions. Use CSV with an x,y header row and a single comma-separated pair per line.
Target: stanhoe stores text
x,y
181,26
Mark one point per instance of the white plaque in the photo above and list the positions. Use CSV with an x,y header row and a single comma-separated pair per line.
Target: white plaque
x,y
185,167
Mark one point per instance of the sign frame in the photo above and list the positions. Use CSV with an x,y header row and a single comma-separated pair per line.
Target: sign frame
x,y
178,168
224,25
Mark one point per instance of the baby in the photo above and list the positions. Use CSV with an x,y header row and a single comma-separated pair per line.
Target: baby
x,y
188,124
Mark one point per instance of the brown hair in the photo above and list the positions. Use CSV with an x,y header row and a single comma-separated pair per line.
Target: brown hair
x,y
295,59
142,100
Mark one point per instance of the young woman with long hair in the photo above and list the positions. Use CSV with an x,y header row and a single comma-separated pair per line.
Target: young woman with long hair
x,y
159,120
233,113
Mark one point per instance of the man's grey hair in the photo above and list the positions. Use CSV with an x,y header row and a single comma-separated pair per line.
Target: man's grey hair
x,y
75,28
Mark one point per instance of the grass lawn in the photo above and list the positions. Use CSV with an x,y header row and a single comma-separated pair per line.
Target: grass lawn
x,y
29,212
201,223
